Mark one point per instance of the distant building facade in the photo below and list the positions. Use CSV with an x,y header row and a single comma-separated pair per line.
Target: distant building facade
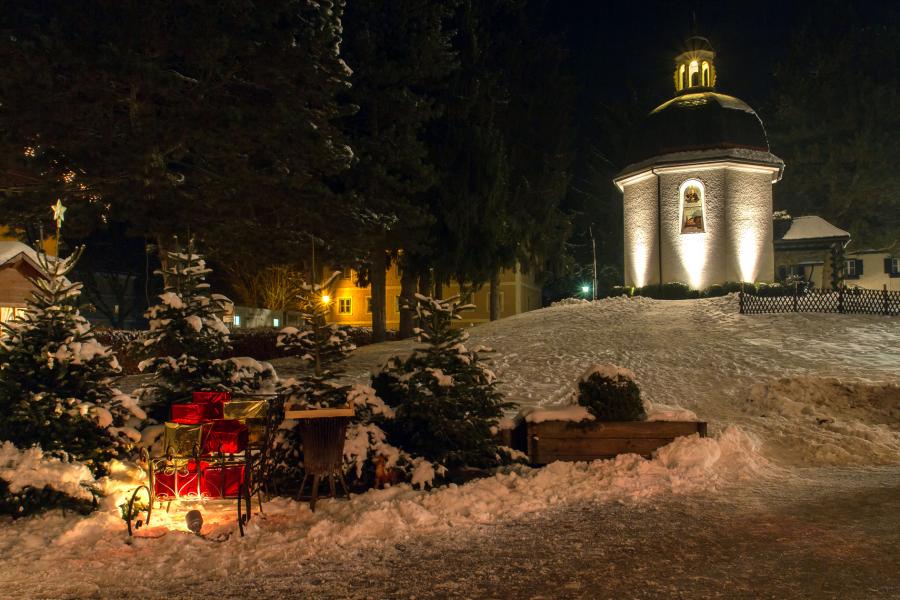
x,y
873,268
352,304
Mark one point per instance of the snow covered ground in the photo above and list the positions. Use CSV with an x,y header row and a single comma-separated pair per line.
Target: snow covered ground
x,y
783,394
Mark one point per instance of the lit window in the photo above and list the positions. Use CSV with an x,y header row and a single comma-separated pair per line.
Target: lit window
x,y
682,82
345,306
694,73
705,73
237,320
347,274
369,304
692,197
276,322
895,266
851,268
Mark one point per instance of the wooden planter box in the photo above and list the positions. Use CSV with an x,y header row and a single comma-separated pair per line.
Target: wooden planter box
x,y
550,441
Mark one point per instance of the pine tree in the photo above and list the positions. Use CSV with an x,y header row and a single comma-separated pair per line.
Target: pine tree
x,y
162,114
56,379
400,54
188,339
444,398
322,345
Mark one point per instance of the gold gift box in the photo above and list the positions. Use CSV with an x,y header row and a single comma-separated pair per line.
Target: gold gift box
x,y
185,440
246,409
257,431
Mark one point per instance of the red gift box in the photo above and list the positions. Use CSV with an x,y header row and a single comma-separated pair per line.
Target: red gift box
x,y
222,482
211,397
178,479
228,436
196,412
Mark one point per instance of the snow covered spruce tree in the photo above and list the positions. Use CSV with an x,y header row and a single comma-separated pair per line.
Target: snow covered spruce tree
x,y
187,339
56,391
444,397
320,344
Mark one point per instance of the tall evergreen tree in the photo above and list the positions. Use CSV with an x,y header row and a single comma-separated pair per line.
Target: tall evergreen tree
x,y
210,118
836,111
399,52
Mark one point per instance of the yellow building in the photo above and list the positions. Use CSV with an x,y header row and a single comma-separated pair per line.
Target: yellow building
x,y
352,304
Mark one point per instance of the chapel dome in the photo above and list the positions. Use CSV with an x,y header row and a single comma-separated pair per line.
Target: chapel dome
x,y
698,118
703,120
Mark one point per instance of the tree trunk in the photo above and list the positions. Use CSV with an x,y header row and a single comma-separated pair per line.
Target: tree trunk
x,y
162,247
495,296
378,278
438,288
425,283
407,302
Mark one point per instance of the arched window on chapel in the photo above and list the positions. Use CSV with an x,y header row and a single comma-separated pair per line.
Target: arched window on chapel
x,y
692,196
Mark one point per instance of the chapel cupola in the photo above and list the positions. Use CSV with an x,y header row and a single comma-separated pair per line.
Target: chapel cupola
x,y
694,68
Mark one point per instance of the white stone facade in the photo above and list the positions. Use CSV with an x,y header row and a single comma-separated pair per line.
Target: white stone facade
x,y
736,244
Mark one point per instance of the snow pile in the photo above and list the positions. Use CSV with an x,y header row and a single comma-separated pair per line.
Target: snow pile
x,y
570,301
829,421
55,543
30,468
572,412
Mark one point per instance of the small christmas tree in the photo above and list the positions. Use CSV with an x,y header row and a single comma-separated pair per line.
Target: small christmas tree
x,y
55,378
323,346
188,338
445,399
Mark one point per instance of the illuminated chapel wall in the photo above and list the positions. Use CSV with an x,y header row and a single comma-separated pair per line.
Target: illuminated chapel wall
x,y
640,225
696,259
751,253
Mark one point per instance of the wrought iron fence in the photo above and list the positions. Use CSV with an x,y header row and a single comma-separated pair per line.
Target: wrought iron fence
x,y
842,301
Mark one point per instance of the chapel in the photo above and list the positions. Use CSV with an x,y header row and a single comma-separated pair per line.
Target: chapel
x,y
697,188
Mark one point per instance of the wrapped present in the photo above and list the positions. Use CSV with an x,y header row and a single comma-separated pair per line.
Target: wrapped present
x,y
222,481
183,439
228,436
211,397
193,413
245,409
178,478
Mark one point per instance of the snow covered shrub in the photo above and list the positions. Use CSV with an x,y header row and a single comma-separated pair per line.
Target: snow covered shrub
x,y
31,482
56,379
672,290
611,394
445,399
187,340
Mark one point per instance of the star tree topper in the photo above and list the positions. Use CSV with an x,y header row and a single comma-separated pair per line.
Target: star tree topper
x,y
59,212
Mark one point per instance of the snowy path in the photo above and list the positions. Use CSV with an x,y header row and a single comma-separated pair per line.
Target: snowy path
x,y
799,499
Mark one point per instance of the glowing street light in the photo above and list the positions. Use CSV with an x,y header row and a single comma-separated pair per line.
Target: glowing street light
x,y
585,289
326,298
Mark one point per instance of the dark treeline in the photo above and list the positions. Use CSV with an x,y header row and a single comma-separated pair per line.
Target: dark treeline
x,y
453,138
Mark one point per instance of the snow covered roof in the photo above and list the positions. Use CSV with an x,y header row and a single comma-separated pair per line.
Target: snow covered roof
x,y
10,251
812,227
